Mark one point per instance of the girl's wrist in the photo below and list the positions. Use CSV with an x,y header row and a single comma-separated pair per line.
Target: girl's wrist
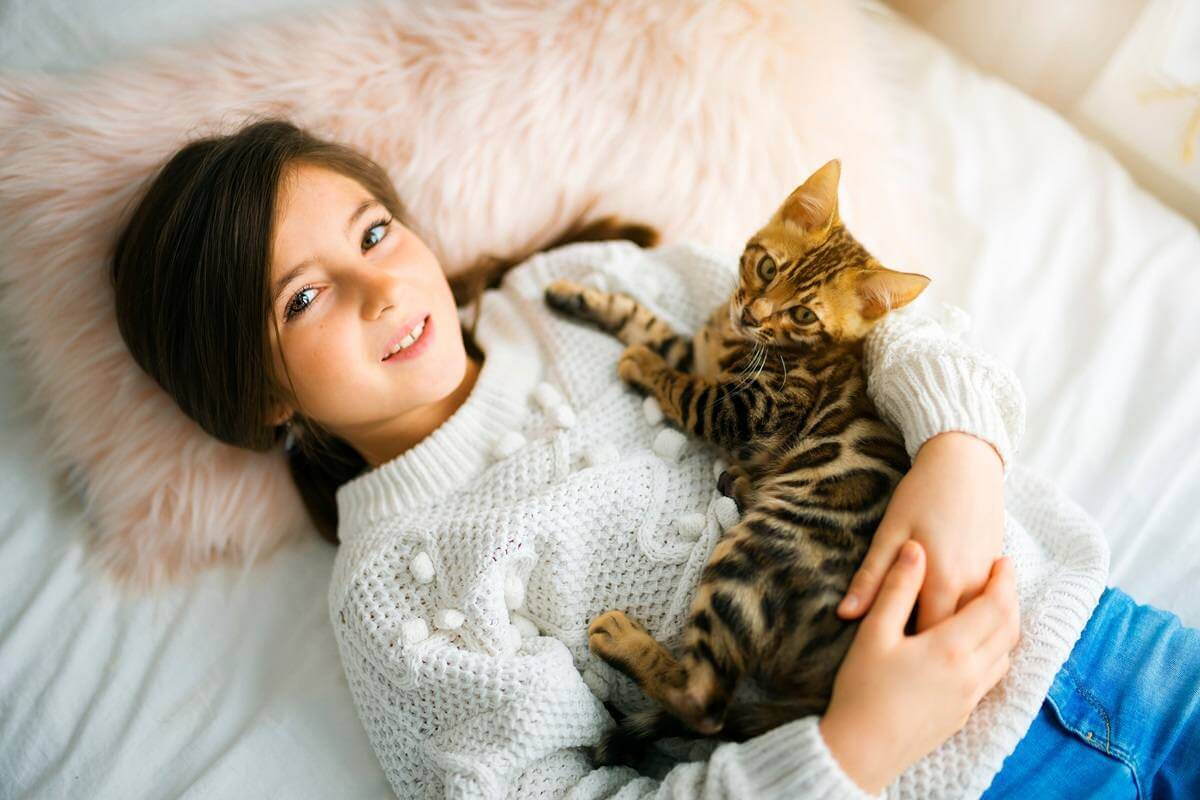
x,y
962,445
857,753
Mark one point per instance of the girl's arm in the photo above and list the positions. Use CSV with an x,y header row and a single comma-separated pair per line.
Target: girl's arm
x,y
447,720
962,414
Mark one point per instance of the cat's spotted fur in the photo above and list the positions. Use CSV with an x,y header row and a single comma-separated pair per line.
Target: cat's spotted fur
x,y
775,378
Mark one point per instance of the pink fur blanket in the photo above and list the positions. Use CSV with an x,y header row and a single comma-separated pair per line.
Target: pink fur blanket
x,y
498,121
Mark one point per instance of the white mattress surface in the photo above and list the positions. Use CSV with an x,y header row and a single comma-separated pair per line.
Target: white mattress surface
x,y
231,687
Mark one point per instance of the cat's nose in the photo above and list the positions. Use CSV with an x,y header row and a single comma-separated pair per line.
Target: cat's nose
x,y
748,319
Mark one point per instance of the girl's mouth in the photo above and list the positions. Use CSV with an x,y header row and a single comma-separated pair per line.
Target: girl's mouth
x,y
412,345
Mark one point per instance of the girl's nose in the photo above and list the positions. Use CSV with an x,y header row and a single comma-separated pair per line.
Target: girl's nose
x,y
380,290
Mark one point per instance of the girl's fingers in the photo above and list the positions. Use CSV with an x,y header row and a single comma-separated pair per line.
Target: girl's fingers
x,y
992,674
934,604
894,604
869,577
988,613
1005,637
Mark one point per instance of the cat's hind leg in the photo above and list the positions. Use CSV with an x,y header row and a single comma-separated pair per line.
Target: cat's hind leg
x,y
695,695
627,646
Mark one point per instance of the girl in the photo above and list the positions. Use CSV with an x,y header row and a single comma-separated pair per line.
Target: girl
x,y
492,492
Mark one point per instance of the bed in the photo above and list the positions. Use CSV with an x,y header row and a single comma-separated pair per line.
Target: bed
x,y
231,686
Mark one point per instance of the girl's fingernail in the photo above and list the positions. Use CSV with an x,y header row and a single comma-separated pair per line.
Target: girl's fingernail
x,y
850,603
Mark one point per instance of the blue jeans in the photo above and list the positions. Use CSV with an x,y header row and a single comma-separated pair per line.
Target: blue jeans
x,y
1122,718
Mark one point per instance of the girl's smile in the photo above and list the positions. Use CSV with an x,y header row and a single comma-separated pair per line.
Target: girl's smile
x,y
412,344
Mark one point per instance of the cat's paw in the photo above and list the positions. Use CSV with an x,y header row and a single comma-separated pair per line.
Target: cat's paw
x,y
638,364
609,630
734,482
569,297
618,640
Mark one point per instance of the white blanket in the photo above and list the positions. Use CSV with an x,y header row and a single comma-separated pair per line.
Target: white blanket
x,y
1073,275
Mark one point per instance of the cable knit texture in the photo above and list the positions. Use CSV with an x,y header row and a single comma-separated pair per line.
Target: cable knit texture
x,y
471,565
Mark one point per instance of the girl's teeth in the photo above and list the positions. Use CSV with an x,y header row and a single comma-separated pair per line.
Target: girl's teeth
x,y
408,340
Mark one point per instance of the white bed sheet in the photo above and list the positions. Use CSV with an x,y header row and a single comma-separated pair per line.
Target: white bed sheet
x,y
232,688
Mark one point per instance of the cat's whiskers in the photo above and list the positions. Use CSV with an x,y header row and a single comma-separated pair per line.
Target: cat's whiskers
x,y
759,357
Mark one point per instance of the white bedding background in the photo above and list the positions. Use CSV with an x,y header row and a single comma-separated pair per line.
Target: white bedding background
x,y
230,687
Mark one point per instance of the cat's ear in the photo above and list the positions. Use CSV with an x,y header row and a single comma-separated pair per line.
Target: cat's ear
x,y
882,289
813,206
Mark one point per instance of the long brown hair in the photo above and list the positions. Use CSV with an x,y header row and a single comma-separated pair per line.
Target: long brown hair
x,y
191,270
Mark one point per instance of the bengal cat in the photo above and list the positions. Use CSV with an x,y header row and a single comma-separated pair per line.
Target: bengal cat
x,y
775,378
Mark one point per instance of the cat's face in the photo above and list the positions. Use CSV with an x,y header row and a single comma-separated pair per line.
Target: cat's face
x,y
805,281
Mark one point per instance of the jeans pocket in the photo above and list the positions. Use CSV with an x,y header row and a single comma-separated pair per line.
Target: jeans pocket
x,y
1083,714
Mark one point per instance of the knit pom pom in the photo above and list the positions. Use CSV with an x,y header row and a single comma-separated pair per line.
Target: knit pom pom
x,y
525,626
690,526
514,591
448,619
547,396
414,630
726,512
512,638
563,415
421,567
652,410
669,444
508,444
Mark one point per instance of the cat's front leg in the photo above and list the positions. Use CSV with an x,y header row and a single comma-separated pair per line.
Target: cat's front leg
x,y
621,315
640,367
728,414
678,393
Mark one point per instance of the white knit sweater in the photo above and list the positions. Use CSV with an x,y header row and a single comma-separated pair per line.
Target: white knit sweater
x,y
470,566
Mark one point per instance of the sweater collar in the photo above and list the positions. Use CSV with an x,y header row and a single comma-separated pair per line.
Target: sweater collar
x,y
460,448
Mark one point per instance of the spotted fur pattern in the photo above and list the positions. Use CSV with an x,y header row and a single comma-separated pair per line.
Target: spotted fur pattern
x,y
775,378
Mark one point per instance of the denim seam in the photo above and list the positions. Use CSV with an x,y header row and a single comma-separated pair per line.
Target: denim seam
x,y
1092,701
1110,748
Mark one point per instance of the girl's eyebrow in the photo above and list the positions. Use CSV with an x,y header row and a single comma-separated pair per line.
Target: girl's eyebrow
x,y
292,273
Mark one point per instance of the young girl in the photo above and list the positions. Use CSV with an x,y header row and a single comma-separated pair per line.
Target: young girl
x,y
492,493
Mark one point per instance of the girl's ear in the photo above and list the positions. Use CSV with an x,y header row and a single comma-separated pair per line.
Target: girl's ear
x,y
280,412
880,290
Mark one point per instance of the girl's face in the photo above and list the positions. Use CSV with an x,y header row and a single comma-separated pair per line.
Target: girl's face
x,y
348,283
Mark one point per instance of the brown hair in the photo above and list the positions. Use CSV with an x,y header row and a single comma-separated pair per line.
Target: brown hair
x,y
191,269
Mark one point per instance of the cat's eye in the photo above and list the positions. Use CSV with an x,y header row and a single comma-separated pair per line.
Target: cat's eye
x,y
803,315
767,269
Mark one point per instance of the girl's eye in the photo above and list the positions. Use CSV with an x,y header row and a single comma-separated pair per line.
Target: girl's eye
x,y
294,307
803,315
767,269
380,224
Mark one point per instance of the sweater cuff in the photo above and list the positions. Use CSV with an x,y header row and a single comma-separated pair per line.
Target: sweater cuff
x,y
794,761
926,381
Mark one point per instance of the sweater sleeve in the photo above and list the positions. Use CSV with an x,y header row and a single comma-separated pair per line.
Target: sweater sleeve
x,y
449,719
925,380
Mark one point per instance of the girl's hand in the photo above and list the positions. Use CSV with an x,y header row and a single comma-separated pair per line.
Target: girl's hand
x,y
897,697
952,502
